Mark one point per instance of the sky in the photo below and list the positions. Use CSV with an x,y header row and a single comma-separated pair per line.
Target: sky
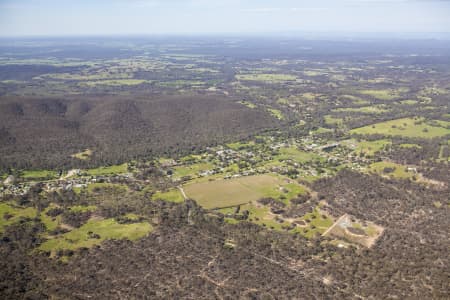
x,y
148,17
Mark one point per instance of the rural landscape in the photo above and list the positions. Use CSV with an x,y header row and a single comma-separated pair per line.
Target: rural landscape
x,y
224,168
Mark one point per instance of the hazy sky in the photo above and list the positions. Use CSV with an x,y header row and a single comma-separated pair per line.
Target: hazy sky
x,y
98,17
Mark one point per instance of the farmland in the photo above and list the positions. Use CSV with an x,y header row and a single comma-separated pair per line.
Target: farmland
x,y
232,192
407,127
167,167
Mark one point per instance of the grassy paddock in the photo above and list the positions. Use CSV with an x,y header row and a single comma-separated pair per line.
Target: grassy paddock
x,y
406,127
10,214
117,169
266,77
231,192
105,229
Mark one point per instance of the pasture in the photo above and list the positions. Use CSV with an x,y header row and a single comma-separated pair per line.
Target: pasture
x,y
10,214
94,232
376,109
386,168
406,127
116,169
236,191
276,78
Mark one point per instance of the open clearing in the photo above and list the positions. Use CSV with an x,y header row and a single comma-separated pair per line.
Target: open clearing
x,y
382,94
375,109
266,77
39,174
406,127
83,155
108,170
386,168
94,232
231,192
367,147
355,231
10,214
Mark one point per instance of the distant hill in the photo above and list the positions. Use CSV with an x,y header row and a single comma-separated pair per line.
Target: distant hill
x,y
44,132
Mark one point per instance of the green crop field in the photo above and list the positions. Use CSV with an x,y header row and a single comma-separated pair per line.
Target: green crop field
x,y
231,192
406,127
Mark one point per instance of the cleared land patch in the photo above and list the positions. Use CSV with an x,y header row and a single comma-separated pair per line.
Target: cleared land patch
x,y
10,214
378,109
236,191
386,168
94,232
117,169
355,231
266,77
38,174
382,94
406,127
83,155
172,195
368,147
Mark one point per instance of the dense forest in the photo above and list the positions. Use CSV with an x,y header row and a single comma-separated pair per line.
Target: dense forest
x,y
45,132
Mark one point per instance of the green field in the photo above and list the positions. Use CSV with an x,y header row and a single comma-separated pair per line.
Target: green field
x,y
232,192
331,120
248,104
83,155
191,170
117,169
116,82
106,229
381,94
266,77
406,127
10,214
98,186
172,195
399,171
371,147
39,174
409,102
321,130
409,146
276,113
317,223
353,99
240,145
296,155
377,109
